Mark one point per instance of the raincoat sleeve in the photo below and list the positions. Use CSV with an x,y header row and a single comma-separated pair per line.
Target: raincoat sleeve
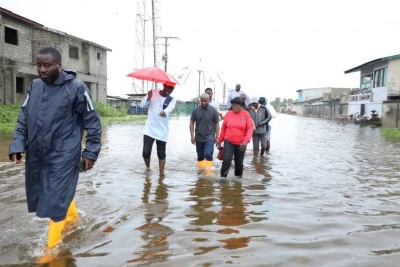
x,y
20,135
91,123
268,117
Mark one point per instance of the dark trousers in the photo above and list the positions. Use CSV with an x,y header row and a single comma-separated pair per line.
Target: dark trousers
x,y
148,146
229,151
205,150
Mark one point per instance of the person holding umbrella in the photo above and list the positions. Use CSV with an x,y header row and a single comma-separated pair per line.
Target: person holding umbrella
x,y
159,104
236,132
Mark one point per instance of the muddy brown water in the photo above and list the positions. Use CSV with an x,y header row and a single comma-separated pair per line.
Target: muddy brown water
x,y
327,194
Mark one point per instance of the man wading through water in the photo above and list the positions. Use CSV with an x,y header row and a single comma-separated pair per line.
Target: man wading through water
x,y
56,111
205,118
159,104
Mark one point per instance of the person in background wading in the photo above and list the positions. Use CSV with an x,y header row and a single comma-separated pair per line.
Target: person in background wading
x,y
238,92
236,132
271,109
214,104
56,111
159,104
205,118
261,117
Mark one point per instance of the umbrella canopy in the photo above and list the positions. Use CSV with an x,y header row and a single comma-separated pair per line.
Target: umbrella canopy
x,y
154,74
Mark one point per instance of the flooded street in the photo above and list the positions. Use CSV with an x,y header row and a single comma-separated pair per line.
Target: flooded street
x,y
327,194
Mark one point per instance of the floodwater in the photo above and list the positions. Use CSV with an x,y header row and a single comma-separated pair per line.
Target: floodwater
x,y
327,194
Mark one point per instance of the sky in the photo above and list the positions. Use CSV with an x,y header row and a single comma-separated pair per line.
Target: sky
x,y
271,48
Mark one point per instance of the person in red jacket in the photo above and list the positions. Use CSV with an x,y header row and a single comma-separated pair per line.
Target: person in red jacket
x,y
236,133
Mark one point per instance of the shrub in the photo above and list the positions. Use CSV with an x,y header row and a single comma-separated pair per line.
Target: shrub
x,y
391,133
105,110
9,113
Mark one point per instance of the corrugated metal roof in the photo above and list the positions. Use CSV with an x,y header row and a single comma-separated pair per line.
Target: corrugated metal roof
x,y
370,63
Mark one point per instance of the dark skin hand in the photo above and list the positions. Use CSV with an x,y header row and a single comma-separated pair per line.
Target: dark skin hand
x,y
149,95
89,164
15,158
243,146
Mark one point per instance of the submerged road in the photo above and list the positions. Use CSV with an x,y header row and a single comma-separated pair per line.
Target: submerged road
x,y
327,194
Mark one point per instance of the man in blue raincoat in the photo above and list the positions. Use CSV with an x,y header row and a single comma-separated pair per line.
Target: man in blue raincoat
x,y
56,111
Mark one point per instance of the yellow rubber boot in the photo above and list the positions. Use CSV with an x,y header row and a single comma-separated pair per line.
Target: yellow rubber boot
x,y
209,165
55,233
54,238
200,164
72,213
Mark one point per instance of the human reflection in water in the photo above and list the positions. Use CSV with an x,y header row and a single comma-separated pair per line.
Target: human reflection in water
x,y
203,195
64,259
262,166
155,234
233,213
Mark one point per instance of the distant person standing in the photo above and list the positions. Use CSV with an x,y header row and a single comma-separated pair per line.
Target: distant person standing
x,y
51,123
236,132
261,117
271,109
204,131
238,93
159,104
214,104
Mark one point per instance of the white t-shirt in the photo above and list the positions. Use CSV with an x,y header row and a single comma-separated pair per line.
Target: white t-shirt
x,y
271,110
214,105
233,94
157,126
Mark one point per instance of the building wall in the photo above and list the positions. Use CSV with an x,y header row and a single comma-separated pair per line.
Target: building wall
x,y
393,78
330,112
391,114
313,93
19,60
90,70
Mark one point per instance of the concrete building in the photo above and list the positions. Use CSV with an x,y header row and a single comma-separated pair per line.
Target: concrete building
x,y
379,83
326,97
311,95
22,38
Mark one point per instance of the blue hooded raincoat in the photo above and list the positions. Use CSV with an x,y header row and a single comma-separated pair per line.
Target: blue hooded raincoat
x,y
49,131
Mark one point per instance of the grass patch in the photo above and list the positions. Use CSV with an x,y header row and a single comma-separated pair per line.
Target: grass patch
x,y
8,118
108,115
126,119
392,133
105,110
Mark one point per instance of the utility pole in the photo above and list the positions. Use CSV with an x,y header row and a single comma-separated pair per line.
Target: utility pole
x,y
165,56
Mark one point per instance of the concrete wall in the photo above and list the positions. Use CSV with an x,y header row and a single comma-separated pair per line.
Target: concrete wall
x,y
313,93
325,111
391,114
393,77
19,60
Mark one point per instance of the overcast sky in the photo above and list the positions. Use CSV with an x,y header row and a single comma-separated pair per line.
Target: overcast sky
x,y
272,48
